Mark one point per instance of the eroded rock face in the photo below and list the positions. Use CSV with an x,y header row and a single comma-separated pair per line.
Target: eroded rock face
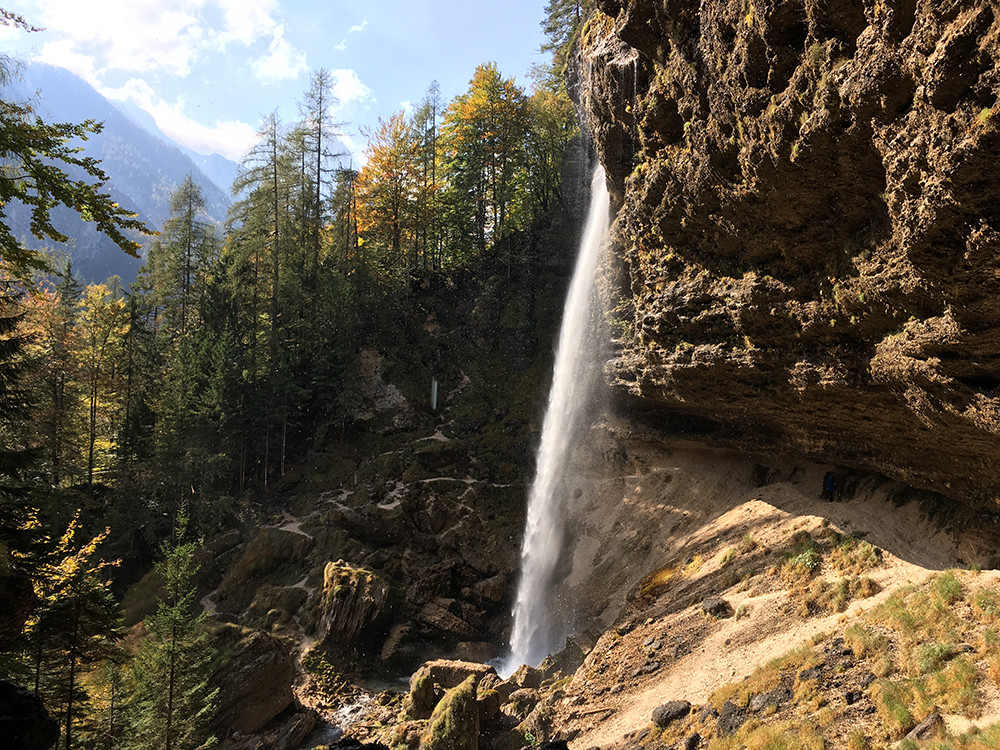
x,y
809,226
353,600
254,679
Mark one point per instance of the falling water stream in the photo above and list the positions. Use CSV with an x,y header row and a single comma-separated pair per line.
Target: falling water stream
x,y
536,633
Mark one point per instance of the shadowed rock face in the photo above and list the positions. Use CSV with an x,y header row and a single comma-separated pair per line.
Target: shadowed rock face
x,y
809,233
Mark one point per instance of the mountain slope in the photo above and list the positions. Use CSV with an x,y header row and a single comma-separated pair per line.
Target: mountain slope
x,y
143,168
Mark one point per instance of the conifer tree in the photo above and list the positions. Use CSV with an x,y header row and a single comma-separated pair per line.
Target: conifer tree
x,y
172,706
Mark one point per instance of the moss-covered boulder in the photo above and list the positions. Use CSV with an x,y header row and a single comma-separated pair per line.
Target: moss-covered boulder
x,y
454,725
441,674
353,601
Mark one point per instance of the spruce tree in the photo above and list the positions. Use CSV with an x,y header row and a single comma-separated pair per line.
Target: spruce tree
x,y
173,705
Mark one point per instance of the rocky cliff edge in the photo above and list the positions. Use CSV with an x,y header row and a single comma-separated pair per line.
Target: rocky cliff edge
x,y
807,241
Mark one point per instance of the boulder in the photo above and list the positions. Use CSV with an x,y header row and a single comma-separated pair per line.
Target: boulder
x,y
480,651
527,677
716,606
774,698
489,704
445,674
352,600
296,729
437,616
491,590
24,722
670,712
454,724
254,678
522,702
731,718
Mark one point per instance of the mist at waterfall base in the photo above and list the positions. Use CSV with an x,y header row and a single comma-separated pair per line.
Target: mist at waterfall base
x,y
539,627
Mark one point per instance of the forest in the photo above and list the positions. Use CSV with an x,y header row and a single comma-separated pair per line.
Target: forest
x,y
138,420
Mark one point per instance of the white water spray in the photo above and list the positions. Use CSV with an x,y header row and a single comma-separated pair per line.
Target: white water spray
x,y
535,634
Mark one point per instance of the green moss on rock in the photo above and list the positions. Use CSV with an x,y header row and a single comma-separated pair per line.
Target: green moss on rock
x,y
454,725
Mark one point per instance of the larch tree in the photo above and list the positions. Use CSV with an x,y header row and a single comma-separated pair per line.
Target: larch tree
x,y
386,193
321,148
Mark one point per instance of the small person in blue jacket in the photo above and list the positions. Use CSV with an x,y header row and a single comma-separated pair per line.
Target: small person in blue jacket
x,y
829,487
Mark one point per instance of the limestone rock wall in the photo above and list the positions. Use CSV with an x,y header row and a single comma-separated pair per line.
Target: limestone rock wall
x,y
809,226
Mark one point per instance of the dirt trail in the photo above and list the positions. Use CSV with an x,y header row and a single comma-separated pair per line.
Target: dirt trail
x,y
689,507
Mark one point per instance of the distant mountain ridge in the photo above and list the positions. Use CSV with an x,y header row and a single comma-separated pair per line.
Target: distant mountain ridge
x,y
144,167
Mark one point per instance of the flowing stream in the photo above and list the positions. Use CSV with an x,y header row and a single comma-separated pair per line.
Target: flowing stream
x,y
537,631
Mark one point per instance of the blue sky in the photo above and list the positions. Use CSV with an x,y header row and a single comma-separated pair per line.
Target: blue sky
x,y
209,70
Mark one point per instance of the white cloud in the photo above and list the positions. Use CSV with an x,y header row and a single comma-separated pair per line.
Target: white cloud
x,y
231,138
63,54
136,35
348,88
282,61
247,21
341,46
407,106
360,27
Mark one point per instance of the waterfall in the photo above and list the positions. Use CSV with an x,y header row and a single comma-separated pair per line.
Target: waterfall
x,y
535,633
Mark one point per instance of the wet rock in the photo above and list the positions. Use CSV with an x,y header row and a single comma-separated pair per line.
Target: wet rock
x,y
351,743
521,702
489,704
716,606
437,616
731,718
24,722
670,712
692,742
492,590
296,729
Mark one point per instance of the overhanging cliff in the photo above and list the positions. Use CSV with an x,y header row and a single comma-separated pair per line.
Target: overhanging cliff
x,y
808,231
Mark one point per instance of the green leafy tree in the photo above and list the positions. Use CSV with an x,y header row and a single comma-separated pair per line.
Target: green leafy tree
x,y
74,628
101,323
483,133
